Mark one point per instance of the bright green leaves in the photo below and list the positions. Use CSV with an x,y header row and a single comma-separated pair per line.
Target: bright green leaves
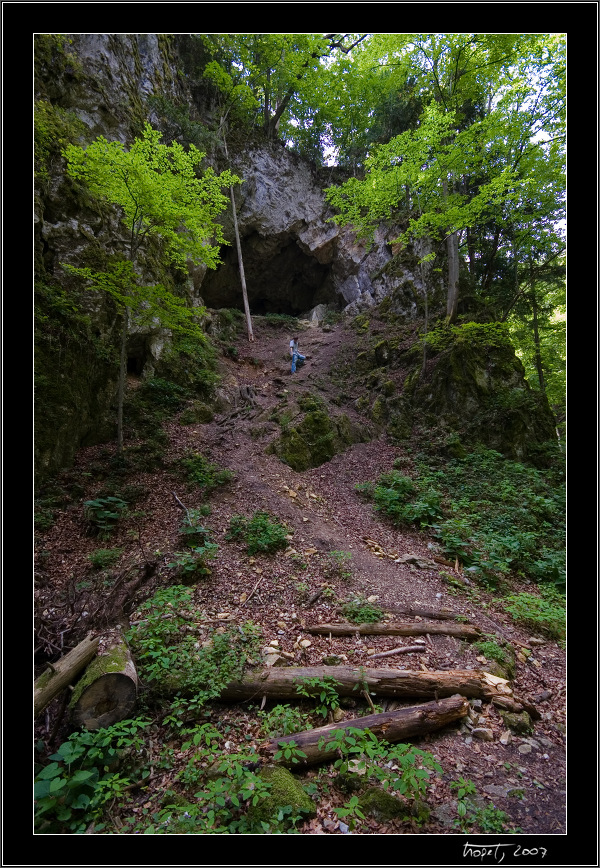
x,y
159,192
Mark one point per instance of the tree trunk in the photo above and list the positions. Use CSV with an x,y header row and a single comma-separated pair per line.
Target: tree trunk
x,y
393,726
60,674
240,259
122,375
107,691
400,628
280,683
452,298
536,333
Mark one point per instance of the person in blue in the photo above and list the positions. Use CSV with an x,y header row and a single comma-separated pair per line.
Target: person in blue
x,y
297,358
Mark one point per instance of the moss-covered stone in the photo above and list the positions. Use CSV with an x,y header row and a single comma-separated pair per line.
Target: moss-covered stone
x,y
315,440
380,805
285,790
198,412
519,723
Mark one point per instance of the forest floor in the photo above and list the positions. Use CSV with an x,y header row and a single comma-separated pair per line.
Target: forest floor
x,y
521,775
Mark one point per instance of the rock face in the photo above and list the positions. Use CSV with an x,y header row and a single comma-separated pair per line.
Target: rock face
x,y
294,257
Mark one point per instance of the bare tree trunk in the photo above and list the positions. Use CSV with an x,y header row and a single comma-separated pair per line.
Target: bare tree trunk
x,y
240,259
452,298
536,334
122,375
60,674
393,726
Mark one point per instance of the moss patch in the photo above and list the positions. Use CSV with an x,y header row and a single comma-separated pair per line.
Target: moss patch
x,y
315,440
285,790
381,805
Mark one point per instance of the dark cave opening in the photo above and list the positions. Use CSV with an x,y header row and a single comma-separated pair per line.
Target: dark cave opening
x,y
280,278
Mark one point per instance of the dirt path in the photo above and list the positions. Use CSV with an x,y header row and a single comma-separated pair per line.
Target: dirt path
x,y
324,514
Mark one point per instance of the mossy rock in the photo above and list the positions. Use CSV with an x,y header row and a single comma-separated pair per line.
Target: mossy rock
x,y
379,411
198,412
380,805
315,440
521,724
382,352
285,790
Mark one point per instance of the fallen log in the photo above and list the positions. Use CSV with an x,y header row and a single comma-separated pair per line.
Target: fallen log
x,y
59,675
400,628
280,683
401,649
393,726
107,691
413,611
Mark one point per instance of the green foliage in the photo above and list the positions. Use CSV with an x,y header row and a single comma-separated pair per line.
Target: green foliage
x,y
470,334
400,768
496,516
544,613
192,529
288,752
192,564
75,789
103,513
488,819
101,559
202,473
339,561
159,192
283,720
403,500
361,611
322,690
54,128
260,532
169,658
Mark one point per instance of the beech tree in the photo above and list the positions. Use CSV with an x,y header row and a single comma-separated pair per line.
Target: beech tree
x,y
487,148
160,195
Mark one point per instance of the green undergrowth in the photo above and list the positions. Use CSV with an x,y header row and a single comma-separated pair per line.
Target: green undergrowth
x,y
260,532
500,518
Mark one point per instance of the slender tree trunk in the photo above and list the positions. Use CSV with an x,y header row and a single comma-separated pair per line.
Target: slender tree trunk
x,y
240,259
452,298
536,334
122,375
452,248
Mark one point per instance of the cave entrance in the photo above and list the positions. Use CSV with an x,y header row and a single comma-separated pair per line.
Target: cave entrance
x,y
280,278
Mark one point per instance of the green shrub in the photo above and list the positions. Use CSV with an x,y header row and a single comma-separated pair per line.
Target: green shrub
x,y
545,613
283,720
192,564
103,513
77,787
203,473
322,690
261,532
101,559
361,611
168,658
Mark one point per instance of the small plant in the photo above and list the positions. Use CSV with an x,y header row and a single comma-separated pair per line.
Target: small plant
x,y
351,812
103,513
193,564
201,472
283,720
101,559
339,561
76,787
261,533
192,528
360,611
289,752
322,690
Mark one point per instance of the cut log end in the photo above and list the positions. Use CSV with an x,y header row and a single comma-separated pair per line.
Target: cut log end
x,y
107,700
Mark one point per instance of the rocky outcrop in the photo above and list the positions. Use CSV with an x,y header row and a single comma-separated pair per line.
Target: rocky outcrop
x,y
294,256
